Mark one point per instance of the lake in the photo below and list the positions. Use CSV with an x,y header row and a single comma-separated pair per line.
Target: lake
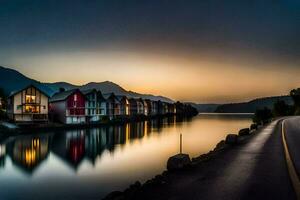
x,y
90,163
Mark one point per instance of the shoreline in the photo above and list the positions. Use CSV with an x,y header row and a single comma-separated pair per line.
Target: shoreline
x,y
163,179
52,126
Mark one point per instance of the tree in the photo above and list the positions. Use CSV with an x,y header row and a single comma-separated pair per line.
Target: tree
x,y
282,109
295,94
2,104
262,116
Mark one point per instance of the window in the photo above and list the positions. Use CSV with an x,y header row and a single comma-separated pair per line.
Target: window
x,y
75,97
30,98
32,109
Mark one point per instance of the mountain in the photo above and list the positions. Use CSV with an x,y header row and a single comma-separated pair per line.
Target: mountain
x,y
106,87
12,80
204,108
251,106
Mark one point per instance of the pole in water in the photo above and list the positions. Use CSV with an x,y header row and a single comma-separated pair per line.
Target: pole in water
x,y
180,143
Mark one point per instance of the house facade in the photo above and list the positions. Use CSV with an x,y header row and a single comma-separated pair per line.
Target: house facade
x,y
172,108
101,105
68,107
152,107
140,106
29,104
145,107
124,105
133,106
113,106
91,106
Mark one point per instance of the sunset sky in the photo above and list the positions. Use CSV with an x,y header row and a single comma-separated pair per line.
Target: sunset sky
x,y
202,51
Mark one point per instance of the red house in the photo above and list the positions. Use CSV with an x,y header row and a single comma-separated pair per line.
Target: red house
x,y
68,107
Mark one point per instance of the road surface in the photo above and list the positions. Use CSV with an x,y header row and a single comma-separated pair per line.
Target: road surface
x,y
255,170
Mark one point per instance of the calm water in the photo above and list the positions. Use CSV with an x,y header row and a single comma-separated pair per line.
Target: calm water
x,y
88,164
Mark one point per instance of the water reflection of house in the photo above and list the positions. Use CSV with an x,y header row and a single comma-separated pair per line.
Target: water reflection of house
x,y
95,144
136,130
28,104
2,155
29,152
70,147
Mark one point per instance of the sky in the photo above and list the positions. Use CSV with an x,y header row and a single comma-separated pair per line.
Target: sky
x,y
206,51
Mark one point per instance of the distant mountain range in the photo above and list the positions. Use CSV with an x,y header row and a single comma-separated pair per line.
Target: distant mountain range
x,y
251,106
12,80
245,107
204,108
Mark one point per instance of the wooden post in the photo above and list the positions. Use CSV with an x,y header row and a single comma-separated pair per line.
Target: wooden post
x,y
180,143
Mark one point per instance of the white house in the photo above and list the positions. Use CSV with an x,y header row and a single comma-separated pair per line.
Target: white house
x,y
28,104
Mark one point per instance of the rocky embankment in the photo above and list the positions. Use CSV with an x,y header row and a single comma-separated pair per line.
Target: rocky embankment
x,y
182,163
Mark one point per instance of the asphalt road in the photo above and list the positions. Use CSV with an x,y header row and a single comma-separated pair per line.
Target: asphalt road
x,y
254,170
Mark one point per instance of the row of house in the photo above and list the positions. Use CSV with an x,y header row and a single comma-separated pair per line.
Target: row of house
x,y
77,106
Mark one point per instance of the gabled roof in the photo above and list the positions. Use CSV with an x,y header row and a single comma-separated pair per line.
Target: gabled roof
x,y
108,95
39,87
61,96
120,97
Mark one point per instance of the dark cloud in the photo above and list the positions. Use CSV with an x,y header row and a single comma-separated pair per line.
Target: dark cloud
x,y
270,26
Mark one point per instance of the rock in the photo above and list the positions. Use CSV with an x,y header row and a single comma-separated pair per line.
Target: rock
x,y
231,139
220,145
253,127
244,131
178,162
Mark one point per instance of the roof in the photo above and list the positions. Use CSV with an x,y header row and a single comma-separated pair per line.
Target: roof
x,y
38,86
60,96
107,95
85,92
120,97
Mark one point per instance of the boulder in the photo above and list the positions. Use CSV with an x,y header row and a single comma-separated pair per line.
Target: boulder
x,y
231,139
244,131
178,162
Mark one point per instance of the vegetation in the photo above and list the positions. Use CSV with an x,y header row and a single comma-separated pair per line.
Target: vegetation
x,y
262,116
295,94
3,104
280,108
185,109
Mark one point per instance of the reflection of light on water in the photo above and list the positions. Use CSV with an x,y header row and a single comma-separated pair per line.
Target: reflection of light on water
x,y
30,157
31,153
2,150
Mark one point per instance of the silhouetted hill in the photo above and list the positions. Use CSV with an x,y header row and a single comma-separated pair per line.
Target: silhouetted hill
x,y
204,108
106,87
12,80
251,106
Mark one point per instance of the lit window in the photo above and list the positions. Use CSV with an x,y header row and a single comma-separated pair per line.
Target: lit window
x,y
30,99
75,97
32,109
